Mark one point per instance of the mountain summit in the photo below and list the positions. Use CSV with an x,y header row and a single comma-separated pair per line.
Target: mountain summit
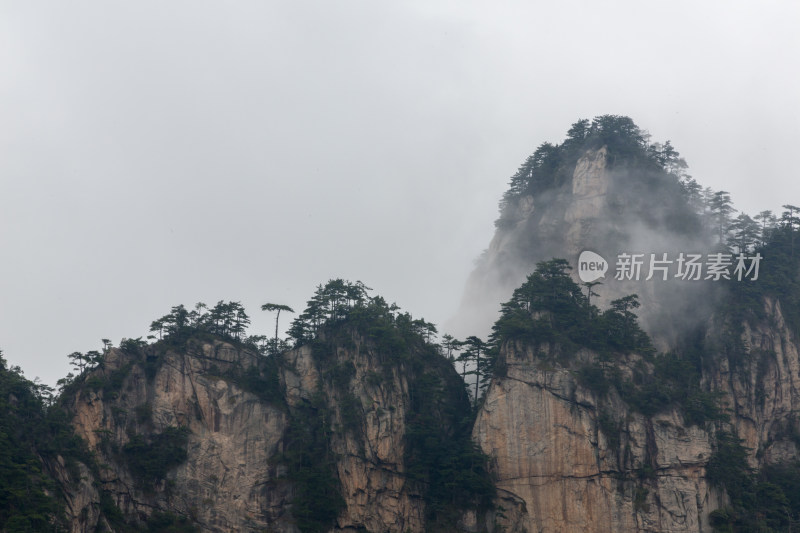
x,y
632,364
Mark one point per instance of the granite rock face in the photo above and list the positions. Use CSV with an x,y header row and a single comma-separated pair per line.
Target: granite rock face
x,y
232,478
762,386
549,449
606,208
228,481
563,458
576,462
371,456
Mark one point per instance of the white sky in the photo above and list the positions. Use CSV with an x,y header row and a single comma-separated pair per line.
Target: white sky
x,y
157,153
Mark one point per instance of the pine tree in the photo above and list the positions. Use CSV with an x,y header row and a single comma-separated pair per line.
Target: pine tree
x,y
791,221
278,308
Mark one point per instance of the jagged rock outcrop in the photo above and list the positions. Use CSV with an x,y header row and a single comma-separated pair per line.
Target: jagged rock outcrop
x,y
374,395
81,500
568,458
566,453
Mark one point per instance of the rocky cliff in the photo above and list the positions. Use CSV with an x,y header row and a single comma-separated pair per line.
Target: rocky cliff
x,y
574,459
587,441
582,463
599,202
248,436
760,376
227,482
587,423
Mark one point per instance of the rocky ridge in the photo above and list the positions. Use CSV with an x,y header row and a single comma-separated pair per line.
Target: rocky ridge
x,y
233,476
564,457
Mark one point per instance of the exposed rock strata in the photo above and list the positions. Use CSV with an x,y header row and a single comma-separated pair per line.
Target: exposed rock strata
x,y
542,430
233,479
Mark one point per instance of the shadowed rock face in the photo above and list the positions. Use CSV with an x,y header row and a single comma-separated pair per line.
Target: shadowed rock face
x,y
567,460
371,457
563,459
557,463
763,388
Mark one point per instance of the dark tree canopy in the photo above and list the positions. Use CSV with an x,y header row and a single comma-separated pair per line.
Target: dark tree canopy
x,y
551,165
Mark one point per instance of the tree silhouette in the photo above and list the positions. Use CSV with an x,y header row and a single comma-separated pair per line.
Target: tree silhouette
x,y
590,285
721,211
78,361
475,352
278,308
791,209
694,194
768,221
745,233
450,344
424,329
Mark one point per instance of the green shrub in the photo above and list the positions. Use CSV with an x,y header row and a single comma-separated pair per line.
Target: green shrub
x,y
114,381
611,428
32,435
640,500
164,522
311,466
144,413
440,454
94,383
263,380
150,458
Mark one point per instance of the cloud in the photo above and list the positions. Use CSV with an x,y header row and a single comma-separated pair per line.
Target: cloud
x,y
161,154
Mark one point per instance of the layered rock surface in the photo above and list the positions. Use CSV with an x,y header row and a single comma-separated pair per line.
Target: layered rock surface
x,y
574,461
563,458
542,430
228,482
371,457
233,478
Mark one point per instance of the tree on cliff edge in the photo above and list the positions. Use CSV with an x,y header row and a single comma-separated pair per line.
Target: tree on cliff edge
x,y
278,308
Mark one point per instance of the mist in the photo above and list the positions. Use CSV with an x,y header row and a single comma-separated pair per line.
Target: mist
x,y
612,209
162,154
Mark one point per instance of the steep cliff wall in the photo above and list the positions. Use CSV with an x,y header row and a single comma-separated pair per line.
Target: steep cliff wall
x,y
369,442
555,223
212,431
580,458
599,441
399,415
582,463
609,205
365,427
759,371
227,481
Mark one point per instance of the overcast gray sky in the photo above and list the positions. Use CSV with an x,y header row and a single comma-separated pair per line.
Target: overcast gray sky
x,y
157,153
